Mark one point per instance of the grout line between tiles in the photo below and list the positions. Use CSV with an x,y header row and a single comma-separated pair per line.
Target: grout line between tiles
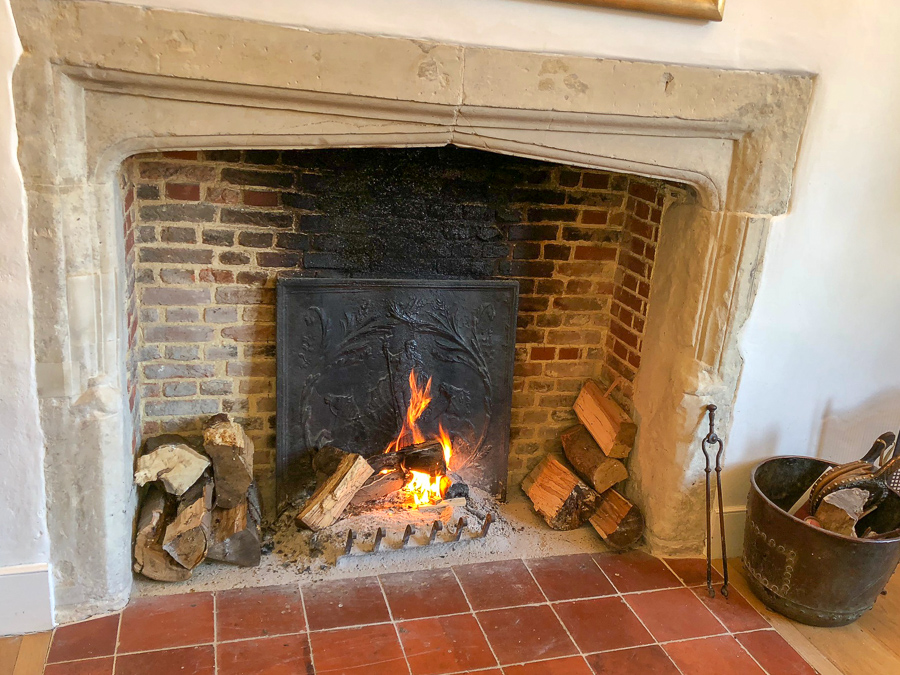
x,y
393,623
553,609
215,634
477,621
116,648
312,658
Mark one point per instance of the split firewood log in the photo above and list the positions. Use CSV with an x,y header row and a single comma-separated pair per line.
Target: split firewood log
x,y
563,500
331,498
618,521
177,466
149,557
235,532
187,536
231,451
611,427
590,462
326,461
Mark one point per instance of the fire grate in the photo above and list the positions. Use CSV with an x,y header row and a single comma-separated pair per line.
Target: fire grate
x,y
346,349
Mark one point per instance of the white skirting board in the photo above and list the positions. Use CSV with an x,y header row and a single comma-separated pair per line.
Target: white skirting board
x,y
735,517
26,600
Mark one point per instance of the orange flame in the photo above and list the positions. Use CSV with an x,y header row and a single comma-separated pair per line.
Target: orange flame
x,y
423,488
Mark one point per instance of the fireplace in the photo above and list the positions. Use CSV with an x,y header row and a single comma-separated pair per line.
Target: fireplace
x,y
372,367
99,83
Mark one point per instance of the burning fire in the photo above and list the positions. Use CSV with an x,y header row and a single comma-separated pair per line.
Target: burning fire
x,y
422,487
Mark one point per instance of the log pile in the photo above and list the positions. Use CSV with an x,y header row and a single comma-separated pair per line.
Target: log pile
x,y
199,503
569,494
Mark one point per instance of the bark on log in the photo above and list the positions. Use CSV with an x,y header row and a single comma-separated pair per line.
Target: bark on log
x,y
427,457
618,521
176,466
149,557
598,470
231,451
331,498
610,426
235,535
378,486
187,536
563,500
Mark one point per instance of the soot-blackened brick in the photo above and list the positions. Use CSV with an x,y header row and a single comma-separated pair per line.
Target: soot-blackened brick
x,y
249,177
257,218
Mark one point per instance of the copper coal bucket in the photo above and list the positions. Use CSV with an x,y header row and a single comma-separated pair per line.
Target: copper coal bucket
x,y
806,573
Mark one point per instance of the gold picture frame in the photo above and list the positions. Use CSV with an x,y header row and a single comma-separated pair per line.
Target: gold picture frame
x,y
708,10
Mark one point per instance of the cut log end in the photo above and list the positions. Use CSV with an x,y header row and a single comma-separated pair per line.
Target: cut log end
x,y
610,426
618,522
559,496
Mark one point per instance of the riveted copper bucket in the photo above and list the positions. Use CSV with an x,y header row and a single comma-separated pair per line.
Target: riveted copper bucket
x,y
806,573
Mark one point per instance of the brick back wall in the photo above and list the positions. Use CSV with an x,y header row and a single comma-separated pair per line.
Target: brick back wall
x,y
213,229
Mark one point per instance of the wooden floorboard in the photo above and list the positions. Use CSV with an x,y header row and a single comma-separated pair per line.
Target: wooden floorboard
x,y
9,651
32,654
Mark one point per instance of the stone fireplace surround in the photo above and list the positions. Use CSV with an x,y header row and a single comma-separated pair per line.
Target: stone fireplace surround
x,y
98,83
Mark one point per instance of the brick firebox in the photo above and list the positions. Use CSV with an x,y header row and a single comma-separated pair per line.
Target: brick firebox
x,y
208,232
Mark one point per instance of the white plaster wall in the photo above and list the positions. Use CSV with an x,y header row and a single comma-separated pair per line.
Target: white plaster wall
x,y
23,530
822,373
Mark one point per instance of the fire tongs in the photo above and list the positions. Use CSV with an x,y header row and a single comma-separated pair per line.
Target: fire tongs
x,y
713,439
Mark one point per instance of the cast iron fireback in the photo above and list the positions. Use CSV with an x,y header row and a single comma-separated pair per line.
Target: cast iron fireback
x,y
345,351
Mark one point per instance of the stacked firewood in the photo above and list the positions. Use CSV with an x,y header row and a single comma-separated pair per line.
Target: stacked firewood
x,y
569,494
198,503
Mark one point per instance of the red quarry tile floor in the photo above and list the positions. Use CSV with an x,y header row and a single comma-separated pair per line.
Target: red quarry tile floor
x,y
628,614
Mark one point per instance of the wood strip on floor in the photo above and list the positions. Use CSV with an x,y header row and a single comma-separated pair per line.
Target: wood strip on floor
x,y
32,653
9,650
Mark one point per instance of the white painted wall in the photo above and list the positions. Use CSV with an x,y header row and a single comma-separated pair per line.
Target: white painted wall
x,y
822,372
822,369
25,603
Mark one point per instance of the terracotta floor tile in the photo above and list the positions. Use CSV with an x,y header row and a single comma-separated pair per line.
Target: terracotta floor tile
x,y
571,665
522,634
734,611
369,650
446,644
95,637
188,661
675,614
415,595
651,660
692,571
712,656
166,621
569,577
258,612
492,585
281,655
602,623
774,653
346,602
636,571
102,666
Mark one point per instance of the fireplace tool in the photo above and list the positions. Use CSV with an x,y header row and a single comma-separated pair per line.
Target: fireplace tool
x,y
710,440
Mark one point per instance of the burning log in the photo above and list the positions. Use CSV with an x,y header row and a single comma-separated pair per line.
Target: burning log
x,y
559,496
231,451
378,486
235,534
600,471
332,497
176,466
149,557
618,521
610,426
427,457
